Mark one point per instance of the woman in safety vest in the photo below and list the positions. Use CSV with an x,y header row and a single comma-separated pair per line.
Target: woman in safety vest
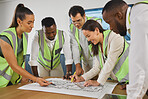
x,y
13,47
110,52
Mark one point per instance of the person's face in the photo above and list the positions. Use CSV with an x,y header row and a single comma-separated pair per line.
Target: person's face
x,y
50,32
93,36
78,20
27,24
116,22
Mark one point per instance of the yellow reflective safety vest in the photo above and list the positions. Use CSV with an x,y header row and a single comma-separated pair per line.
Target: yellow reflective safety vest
x,y
6,73
50,59
75,32
121,68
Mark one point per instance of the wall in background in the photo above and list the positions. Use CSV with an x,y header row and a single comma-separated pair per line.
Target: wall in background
x,y
42,8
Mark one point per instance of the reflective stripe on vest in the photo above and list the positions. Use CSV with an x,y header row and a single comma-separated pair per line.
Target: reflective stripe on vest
x,y
120,71
6,73
14,40
46,59
142,2
75,32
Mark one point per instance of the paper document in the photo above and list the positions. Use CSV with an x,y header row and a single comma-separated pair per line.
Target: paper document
x,y
72,88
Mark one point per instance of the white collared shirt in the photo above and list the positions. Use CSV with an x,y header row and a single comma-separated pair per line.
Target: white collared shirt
x,y
127,21
138,52
35,49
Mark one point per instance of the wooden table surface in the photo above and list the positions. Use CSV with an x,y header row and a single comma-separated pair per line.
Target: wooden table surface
x,y
11,92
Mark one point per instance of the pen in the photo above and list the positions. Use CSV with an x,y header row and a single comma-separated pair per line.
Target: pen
x,y
53,84
73,77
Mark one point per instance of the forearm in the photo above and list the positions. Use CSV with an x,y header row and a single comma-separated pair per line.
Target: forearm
x,y
23,72
78,65
91,73
12,61
34,71
69,68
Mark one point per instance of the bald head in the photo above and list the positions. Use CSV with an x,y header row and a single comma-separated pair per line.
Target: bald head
x,y
114,13
114,5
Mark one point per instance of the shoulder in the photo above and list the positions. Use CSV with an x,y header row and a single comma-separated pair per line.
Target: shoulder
x,y
9,33
113,35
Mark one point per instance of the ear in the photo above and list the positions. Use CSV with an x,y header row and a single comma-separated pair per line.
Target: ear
x,y
97,30
119,15
84,16
19,21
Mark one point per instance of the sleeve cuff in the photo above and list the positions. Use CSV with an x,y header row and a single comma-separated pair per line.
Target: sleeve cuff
x,y
70,61
76,61
33,63
85,77
101,81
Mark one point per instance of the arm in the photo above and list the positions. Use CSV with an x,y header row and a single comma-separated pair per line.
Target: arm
x,y
67,49
115,48
34,71
76,54
12,61
138,52
75,49
68,56
93,71
34,54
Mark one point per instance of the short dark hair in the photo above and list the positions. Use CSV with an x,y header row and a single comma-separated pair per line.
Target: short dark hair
x,y
48,21
113,5
20,12
91,25
76,9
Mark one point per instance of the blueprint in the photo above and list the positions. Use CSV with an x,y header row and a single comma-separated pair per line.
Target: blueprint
x,y
72,88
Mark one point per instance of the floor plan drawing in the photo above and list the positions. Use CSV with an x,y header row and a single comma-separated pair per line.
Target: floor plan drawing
x,y
65,84
67,87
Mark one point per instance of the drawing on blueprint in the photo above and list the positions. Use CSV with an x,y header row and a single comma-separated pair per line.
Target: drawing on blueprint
x,y
65,84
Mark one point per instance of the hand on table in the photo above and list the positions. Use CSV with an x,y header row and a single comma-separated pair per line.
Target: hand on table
x,y
67,76
91,83
43,82
76,78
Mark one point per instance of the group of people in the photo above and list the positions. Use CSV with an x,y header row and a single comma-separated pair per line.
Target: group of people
x,y
94,51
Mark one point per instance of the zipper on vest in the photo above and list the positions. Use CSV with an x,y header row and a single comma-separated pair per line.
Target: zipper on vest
x,y
51,60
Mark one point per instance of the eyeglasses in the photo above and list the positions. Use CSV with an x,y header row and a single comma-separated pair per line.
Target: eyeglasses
x,y
77,21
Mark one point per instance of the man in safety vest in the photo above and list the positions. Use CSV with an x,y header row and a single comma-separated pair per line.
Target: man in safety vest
x,y
46,50
79,43
121,18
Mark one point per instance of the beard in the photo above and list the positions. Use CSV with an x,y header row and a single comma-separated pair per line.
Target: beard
x,y
121,28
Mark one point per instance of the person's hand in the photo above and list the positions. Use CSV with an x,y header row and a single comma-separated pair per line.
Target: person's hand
x,y
123,87
67,76
76,78
79,70
42,82
91,83
24,80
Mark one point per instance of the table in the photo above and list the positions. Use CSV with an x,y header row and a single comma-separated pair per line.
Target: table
x,y
11,92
